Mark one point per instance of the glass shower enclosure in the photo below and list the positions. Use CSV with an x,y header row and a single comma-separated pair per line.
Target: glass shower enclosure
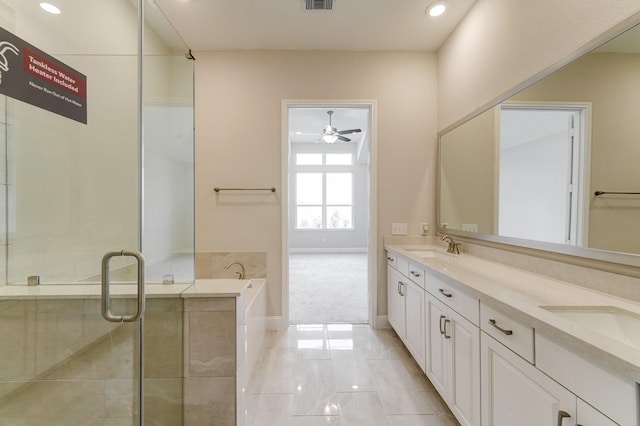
x,y
70,192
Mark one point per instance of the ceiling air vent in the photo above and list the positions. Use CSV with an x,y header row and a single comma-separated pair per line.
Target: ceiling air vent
x,y
318,4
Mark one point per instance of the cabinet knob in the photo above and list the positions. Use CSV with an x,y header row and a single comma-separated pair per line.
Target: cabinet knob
x,y
561,416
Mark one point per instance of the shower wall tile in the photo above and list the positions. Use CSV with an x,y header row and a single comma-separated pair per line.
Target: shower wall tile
x,y
210,360
62,354
212,344
119,397
163,344
163,401
211,264
207,398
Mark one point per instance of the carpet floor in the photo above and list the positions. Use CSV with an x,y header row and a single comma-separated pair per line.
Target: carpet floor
x,y
328,288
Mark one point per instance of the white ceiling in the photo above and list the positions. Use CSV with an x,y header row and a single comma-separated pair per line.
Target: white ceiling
x,y
380,25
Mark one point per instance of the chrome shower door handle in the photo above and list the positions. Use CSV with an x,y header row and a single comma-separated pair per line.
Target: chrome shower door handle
x,y
106,299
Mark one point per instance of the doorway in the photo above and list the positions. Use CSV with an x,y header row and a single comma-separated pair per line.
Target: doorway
x,y
541,146
329,216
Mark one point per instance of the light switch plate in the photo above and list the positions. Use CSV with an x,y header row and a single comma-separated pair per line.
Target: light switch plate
x,y
399,229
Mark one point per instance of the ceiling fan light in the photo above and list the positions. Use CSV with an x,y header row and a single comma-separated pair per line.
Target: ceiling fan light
x,y
330,138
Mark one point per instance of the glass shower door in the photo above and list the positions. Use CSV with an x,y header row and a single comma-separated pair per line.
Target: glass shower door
x,y
71,192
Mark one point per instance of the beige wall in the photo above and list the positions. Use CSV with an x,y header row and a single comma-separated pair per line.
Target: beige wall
x,y
238,142
502,43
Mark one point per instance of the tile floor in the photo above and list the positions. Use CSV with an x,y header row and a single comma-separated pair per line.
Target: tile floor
x,y
340,374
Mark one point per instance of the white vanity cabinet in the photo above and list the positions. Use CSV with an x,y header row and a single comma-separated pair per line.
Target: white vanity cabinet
x,y
560,389
406,310
395,301
452,359
516,393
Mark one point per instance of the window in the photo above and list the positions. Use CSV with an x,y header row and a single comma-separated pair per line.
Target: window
x,y
324,190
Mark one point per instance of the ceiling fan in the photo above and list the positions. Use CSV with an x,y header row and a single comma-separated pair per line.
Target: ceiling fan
x,y
330,134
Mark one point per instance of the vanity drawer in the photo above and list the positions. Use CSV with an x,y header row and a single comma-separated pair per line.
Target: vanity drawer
x,y
452,294
402,265
416,273
391,259
511,333
613,395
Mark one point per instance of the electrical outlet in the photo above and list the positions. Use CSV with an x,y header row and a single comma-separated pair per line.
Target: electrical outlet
x,y
424,228
399,229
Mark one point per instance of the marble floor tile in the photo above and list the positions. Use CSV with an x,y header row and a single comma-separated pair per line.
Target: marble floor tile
x,y
341,374
268,409
351,371
361,408
315,390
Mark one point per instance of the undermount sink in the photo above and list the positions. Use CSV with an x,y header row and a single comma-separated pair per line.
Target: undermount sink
x,y
613,322
422,252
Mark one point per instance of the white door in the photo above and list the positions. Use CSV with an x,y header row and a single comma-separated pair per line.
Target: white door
x,y
414,315
540,151
464,397
437,352
396,288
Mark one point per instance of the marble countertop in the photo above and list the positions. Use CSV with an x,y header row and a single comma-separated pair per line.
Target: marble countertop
x,y
201,288
521,294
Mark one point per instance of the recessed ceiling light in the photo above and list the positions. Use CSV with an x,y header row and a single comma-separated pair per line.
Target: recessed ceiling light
x,y
50,8
437,9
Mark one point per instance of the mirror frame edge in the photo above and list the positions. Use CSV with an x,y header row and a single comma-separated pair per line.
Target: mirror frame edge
x,y
610,261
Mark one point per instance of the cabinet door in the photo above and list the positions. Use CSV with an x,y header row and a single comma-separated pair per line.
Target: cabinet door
x,y
516,393
589,416
437,351
396,286
464,392
415,324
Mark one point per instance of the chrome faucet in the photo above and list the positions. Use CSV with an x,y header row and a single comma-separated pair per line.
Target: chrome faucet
x,y
453,248
239,274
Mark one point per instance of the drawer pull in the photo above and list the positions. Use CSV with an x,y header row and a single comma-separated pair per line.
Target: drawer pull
x,y
390,259
442,317
561,416
441,290
505,331
415,274
400,285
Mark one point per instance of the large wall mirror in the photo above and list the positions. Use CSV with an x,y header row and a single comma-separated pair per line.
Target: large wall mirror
x,y
556,166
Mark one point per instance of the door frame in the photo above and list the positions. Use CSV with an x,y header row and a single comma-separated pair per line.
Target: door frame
x,y
373,199
584,197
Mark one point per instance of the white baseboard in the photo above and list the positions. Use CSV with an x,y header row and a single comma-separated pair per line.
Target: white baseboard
x,y
327,250
382,321
275,323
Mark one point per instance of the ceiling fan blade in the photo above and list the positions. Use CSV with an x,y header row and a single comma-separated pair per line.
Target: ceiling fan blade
x,y
343,139
346,132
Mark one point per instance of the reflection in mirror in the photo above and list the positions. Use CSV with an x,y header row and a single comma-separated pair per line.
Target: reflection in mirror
x,y
529,168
